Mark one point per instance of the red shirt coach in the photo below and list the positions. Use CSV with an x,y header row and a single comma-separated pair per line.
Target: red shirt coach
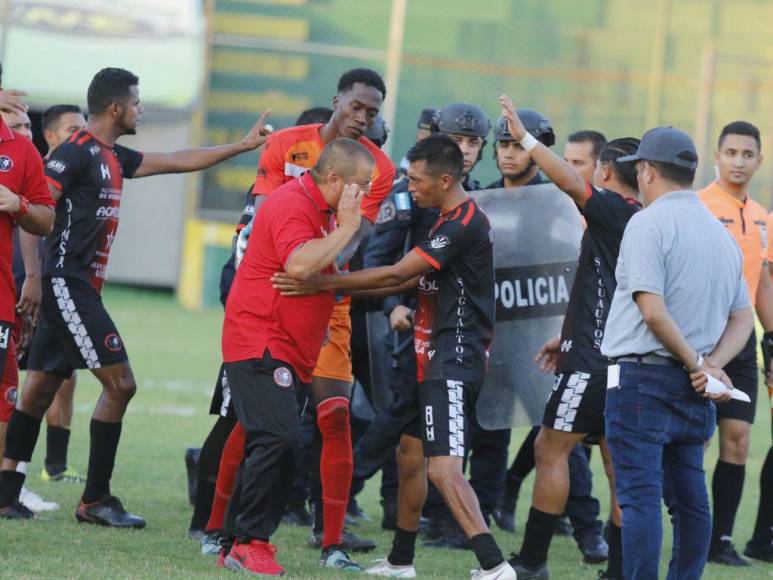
x,y
257,317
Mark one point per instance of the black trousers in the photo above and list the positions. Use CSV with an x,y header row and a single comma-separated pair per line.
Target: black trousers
x,y
266,396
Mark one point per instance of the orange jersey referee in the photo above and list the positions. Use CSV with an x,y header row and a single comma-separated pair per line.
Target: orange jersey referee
x,y
738,158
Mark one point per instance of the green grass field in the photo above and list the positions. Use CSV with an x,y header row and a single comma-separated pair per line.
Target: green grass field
x,y
175,355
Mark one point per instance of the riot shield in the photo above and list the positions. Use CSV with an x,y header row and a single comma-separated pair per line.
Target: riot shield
x,y
537,231
380,357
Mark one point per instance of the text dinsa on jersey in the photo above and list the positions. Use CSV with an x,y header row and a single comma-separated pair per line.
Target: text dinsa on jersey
x,y
533,291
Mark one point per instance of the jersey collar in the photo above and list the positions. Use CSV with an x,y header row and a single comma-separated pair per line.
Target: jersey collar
x,y
313,192
720,191
5,132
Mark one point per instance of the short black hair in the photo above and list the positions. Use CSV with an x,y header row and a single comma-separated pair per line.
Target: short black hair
x,y
597,139
343,156
441,154
365,76
683,176
52,115
616,149
110,85
740,128
314,115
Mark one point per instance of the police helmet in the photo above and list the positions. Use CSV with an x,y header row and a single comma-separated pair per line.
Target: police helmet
x,y
378,132
463,119
535,123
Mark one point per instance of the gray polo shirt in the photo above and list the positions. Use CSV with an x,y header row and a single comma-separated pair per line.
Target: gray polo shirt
x,y
677,249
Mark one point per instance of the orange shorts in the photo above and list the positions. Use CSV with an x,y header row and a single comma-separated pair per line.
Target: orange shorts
x,y
335,358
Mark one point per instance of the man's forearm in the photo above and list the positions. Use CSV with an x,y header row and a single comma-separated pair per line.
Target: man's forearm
x,y
29,244
658,319
734,338
39,220
558,171
199,158
372,279
317,254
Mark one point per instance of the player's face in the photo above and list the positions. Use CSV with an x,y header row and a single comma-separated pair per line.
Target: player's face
x,y
580,156
131,111
738,159
512,161
19,122
356,110
470,147
68,124
425,188
362,176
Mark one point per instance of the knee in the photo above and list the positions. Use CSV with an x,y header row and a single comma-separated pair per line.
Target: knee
x,y
333,416
735,446
36,403
409,463
547,452
121,387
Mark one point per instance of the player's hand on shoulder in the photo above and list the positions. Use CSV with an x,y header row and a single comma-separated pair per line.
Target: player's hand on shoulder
x,y
348,213
10,101
259,132
289,286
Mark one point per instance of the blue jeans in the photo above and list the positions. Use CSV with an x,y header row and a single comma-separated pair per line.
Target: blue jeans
x,y
656,426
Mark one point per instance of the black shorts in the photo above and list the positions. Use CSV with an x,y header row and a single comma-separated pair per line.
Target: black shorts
x,y
744,373
576,404
75,330
443,416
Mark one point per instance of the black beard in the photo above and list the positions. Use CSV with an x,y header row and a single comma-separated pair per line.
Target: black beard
x,y
520,174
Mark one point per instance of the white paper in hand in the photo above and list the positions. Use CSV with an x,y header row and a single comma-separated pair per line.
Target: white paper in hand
x,y
717,387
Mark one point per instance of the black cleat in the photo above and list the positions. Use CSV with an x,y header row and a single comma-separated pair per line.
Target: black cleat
x,y
297,516
593,547
763,552
354,511
192,471
16,511
524,572
349,542
389,519
195,534
564,527
504,519
725,554
451,537
108,512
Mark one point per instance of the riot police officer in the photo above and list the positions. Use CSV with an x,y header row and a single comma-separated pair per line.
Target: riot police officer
x,y
515,165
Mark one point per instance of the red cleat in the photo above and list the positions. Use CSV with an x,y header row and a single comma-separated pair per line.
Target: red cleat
x,y
221,558
256,558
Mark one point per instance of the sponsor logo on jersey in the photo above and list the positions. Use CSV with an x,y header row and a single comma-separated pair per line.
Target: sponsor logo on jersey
x,y
56,165
283,377
105,171
94,149
426,285
113,342
6,163
107,212
439,242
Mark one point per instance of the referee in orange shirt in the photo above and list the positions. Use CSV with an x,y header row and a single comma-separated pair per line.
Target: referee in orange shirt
x,y
737,159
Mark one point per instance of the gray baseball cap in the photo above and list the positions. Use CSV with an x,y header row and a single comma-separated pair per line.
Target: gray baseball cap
x,y
667,145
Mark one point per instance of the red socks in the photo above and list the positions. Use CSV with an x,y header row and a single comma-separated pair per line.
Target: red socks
x,y
233,453
335,467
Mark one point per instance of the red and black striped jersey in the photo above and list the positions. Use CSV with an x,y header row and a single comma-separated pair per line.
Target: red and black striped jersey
x,y
454,323
90,176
